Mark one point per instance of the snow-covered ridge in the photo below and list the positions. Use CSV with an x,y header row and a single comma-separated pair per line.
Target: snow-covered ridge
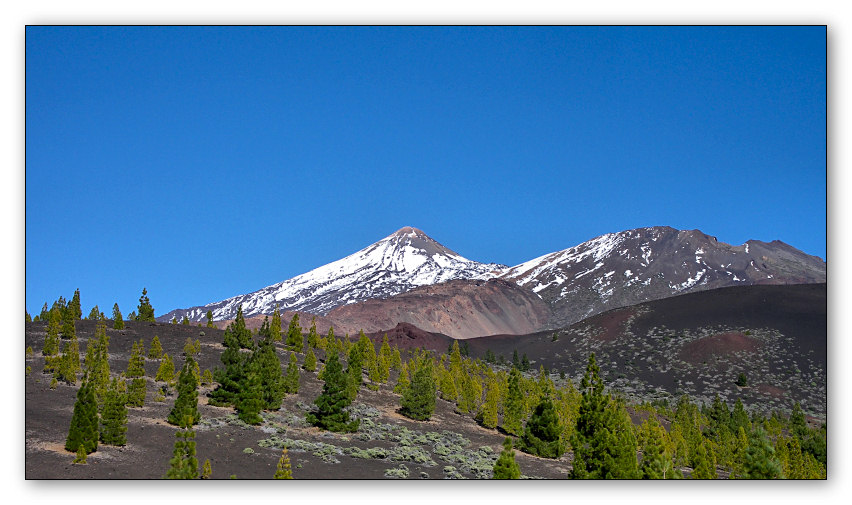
x,y
399,262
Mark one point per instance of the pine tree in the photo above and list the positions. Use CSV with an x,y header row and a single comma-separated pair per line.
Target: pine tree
x,y
44,315
185,411
447,384
69,362
50,350
760,461
284,471
250,395
488,414
29,318
239,331
603,441
97,361
210,320
354,372
83,431
273,382
291,379
471,393
94,314
185,320
184,464
313,337
798,424
117,318
396,359
230,378
739,418
513,410
705,465
68,330
156,350
275,327
136,364
114,416
294,334
403,382
333,399
418,400
656,462
506,467
542,432
75,310
166,372
145,310
81,457
310,360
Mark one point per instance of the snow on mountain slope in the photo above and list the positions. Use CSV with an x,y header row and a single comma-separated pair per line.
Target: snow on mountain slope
x,y
399,262
635,266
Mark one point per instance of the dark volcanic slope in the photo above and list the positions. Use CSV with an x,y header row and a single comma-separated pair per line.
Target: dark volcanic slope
x,y
697,344
635,266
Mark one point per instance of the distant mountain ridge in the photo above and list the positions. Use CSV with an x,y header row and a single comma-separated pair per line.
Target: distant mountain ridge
x,y
644,264
406,259
610,271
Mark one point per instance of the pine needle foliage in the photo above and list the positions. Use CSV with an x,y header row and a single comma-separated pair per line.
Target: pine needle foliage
x,y
506,467
418,400
294,340
760,461
513,410
117,318
542,432
333,399
114,416
166,371
310,360
156,350
284,471
83,431
185,409
291,379
184,464
145,312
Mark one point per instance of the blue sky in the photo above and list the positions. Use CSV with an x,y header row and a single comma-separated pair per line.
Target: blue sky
x,y
203,163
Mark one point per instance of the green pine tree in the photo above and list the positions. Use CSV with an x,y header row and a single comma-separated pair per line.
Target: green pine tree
x,y
513,409
145,310
275,327
506,467
403,382
239,331
94,314
488,414
333,399
117,318
542,432
184,464
29,318
313,337
210,319
114,415
206,470
156,350
310,360
291,379
603,442
705,465
185,409
294,340
273,382
83,431
136,364
51,338
250,395
284,470
185,320
760,461
418,400
354,372
97,361
166,371
75,310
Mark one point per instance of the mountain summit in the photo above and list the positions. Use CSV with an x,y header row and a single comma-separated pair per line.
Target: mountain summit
x,y
395,264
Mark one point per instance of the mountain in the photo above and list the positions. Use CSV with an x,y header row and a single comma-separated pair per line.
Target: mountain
x,y
399,262
460,309
635,266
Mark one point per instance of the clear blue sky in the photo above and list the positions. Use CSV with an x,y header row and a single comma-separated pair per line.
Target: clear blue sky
x,y
204,163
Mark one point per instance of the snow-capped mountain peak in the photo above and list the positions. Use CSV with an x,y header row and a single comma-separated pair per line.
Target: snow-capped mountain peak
x,y
397,263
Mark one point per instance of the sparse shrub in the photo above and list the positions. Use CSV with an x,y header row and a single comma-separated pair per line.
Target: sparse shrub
x,y
506,466
400,472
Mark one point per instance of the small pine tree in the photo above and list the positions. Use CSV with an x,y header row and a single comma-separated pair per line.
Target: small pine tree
x,y
313,337
291,379
354,372
166,372
488,414
136,392
206,470
333,399
83,431
69,329
249,401
29,318
146,311
705,467
513,409
294,340
506,467
273,382
185,409
117,318
210,323
184,464
114,415
418,400
80,458
136,364
156,350
185,320
275,326
284,470
206,377
75,310
94,314
403,382
542,432
310,360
